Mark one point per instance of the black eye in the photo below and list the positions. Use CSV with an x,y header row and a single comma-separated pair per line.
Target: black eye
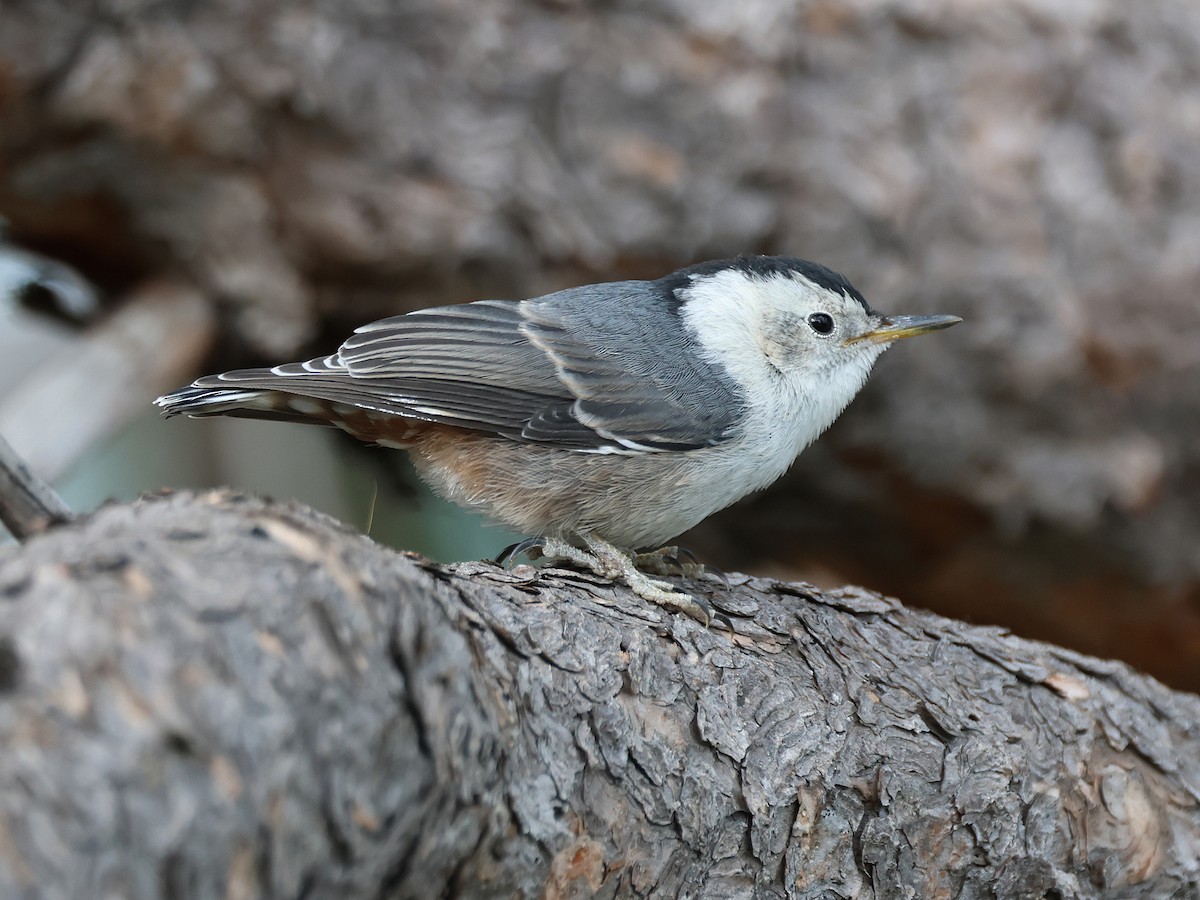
x,y
820,323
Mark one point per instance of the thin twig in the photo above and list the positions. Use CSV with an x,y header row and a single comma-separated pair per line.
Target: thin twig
x,y
27,504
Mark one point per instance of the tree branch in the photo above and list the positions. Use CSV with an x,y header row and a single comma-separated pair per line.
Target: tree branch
x,y
154,341
215,696
27,504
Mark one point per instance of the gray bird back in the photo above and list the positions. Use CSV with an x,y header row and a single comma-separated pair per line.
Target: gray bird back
x,y
624,351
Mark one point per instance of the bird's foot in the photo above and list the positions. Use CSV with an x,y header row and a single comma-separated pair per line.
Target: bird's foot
x,y
614,564
620,565
674,560
549,548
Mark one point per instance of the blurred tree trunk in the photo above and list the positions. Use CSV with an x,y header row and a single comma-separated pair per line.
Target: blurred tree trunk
x,y
213,696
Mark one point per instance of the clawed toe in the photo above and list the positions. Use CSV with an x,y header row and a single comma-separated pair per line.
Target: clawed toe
x,y
674,560
663,561
550,548
530,548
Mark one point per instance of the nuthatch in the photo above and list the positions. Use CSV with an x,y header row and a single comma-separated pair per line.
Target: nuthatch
x,y
601,417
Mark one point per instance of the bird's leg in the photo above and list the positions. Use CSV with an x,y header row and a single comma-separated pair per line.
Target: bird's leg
x,y
614,564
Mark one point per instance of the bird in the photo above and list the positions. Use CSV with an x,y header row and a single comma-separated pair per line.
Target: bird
x,y
602,420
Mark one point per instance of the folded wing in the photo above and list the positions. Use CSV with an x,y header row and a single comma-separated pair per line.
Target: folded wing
x,y
590,369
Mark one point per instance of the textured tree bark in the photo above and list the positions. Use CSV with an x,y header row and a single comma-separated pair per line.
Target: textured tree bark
x,y
216,696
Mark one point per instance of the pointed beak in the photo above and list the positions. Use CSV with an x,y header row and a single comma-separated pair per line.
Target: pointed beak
x,y
892,328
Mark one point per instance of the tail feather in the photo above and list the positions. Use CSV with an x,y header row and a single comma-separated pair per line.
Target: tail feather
x,y
214,396
199,402
202,401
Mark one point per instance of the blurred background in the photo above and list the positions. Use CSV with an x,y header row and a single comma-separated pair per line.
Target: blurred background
x,y
244,181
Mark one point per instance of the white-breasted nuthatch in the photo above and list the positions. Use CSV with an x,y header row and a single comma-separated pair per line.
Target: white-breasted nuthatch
x,y
601,417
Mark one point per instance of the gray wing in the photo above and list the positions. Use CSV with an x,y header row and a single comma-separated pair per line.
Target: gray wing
x,y
602,368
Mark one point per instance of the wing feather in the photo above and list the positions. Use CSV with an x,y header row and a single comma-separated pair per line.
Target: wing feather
x,y
588,369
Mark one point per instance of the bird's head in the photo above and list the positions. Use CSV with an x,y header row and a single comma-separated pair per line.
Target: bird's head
x,y
764,317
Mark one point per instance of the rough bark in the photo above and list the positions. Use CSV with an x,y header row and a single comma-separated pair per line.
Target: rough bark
x,y
1030,166
216,696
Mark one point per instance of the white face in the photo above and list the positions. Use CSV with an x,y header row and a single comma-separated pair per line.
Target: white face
x,y
762,328
800,352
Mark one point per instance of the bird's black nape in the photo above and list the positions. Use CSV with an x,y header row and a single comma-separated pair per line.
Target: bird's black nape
x,y
765,267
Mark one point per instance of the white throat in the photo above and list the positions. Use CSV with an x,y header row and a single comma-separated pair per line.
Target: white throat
x,y
786,410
